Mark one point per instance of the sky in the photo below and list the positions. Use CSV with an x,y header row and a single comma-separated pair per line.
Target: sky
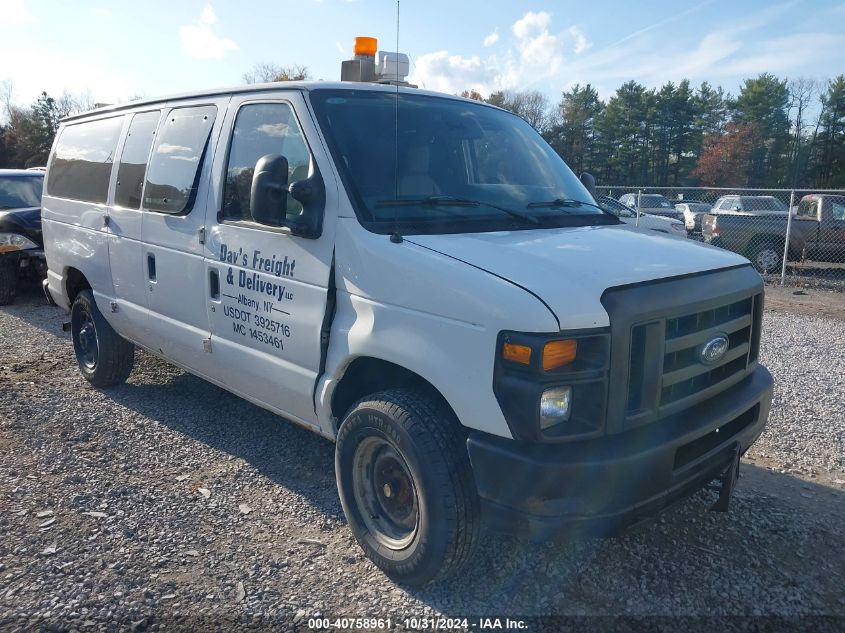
x,y
117,50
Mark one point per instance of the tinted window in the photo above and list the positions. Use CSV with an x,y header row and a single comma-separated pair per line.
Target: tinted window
x,y
133,160
261,129
17,192
81,166
173,175
806,209
654,202
615,207
838,211
763,203
404,158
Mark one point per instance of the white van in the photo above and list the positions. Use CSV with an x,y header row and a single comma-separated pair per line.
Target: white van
x,y
421,279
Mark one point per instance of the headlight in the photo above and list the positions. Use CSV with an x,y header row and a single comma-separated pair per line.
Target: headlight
x,y
552,387
14,242
555,405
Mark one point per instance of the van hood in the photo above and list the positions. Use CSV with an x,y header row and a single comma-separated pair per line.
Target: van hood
x,y
569,268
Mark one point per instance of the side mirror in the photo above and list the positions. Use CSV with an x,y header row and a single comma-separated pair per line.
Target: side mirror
x,y
269,194
589,182
311,194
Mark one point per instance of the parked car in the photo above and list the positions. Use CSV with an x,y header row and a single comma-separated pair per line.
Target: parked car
x,y
646,221
825,242
692,212
750,205
437,293
652,203
21,246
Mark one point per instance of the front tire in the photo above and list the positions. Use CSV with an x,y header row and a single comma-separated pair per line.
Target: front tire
x,y
406,485
8,284
105,358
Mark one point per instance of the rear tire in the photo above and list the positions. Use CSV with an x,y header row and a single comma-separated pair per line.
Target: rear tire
x,y
766,255
8,284
406,485
105,358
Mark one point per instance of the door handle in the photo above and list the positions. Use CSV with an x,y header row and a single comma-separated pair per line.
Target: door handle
x,y
151,266
214,284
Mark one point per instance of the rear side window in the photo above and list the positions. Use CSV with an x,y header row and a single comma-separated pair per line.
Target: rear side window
x,y
806,209
173,175
838,211
81,165
133,160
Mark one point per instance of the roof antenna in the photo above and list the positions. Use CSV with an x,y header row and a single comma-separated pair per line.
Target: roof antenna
x,y
396,238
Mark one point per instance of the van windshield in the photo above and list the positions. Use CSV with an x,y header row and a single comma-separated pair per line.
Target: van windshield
x,y
455,166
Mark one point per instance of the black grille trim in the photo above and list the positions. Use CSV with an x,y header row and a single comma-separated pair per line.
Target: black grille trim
x,y
657,331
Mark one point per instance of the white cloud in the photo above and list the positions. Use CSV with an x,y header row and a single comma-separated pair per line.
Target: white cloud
x,y
532,23
101,12
581,43
16,12
452,73
200,41
537,54
538,47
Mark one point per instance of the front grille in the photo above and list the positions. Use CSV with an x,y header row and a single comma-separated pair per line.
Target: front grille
x,y
683,372
658,330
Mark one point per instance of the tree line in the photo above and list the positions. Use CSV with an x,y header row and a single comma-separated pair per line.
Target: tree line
x,y
774,133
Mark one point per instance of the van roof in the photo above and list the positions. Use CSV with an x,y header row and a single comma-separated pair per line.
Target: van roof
x,y
266,87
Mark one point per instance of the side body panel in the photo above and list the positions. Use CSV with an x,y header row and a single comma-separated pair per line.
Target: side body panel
x,y
174,268
267,317
432,314
126,261
76,235
829,239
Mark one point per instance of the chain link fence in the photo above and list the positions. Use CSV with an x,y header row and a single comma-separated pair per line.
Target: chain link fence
x,y
792,236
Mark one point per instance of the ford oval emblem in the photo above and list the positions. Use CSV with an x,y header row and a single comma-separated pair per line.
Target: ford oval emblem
x,y
715,349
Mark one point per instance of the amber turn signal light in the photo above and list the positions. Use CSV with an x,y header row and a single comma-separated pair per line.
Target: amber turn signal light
x,y
517,353
558,353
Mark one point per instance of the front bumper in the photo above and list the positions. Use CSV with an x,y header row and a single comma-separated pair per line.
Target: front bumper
x,y
599,486
32,259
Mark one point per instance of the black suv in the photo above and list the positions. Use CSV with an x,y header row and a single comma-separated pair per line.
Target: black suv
x,y
21,245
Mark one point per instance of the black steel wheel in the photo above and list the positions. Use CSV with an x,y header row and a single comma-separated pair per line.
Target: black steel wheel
x,y
406,485
105,358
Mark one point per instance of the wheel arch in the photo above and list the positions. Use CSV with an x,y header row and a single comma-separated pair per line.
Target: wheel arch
x,y
75,282
366,375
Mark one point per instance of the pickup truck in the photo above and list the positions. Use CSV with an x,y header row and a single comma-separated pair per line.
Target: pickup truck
x,y
825,241
756,228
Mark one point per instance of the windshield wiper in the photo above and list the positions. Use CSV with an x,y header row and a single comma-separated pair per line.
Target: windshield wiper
x,y
562,202
451,201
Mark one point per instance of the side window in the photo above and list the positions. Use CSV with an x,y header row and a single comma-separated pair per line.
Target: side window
x,y
81,165
133,160
838,211
261,129
173,175
806,209
727,203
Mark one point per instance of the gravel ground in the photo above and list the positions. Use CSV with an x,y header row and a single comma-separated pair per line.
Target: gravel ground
x,y
170,504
